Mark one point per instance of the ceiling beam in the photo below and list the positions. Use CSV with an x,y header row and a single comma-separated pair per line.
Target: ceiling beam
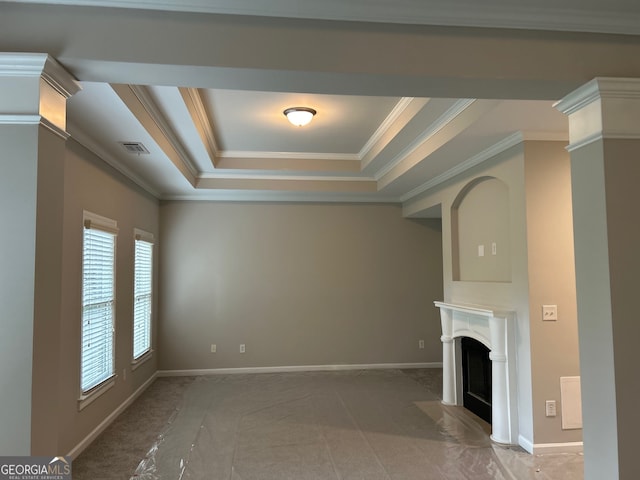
x,y
453,122
275,54
142,106
613,16
201,121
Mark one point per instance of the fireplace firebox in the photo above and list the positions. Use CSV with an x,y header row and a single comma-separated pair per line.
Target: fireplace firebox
x,y
476,378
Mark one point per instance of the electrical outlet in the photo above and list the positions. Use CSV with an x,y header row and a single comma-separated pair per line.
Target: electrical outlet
x,y
242,349
550,313
214,348
550,408
420,343
494,249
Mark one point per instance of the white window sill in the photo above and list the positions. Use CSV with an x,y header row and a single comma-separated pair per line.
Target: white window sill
x,y
137,362
87,398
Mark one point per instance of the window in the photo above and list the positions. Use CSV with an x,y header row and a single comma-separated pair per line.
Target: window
x,y
142,293
98,301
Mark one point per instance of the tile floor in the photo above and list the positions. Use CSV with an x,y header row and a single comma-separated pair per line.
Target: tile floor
x,y
370,424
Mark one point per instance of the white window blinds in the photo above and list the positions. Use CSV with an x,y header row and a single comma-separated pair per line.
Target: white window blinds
x,y
142,295
98,301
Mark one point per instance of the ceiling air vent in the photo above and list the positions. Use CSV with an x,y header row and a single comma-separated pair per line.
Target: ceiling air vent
x,y
135,147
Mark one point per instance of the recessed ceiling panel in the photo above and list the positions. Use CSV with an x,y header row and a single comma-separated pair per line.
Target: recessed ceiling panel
x,y
249,121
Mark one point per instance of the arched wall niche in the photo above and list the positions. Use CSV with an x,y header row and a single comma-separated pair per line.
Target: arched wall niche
x,y
480,232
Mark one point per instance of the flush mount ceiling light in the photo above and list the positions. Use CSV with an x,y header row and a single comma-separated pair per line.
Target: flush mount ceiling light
x,y
299,116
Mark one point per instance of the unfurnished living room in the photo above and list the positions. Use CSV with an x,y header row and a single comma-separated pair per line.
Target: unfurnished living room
x,y
319,239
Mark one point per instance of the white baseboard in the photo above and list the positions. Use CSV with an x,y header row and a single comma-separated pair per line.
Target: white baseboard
x,y
300,368
78,449
548,448
525,443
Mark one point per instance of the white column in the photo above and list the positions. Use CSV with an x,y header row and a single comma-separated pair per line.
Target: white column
x,y
500,428
448,359
33,92
604,128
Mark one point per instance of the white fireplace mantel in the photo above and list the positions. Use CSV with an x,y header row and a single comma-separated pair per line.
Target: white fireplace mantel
x,y
495,328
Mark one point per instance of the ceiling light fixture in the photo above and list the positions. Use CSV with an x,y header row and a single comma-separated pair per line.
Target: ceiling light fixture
x,y
299,116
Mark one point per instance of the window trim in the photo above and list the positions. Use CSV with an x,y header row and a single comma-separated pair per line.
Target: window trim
x,y
147,237
94,221
137,362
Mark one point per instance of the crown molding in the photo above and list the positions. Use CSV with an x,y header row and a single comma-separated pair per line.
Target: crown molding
x,y
39,65
18,119
598,136
579,98
62,81
281,197
201,120
531,15
33,120
259,175
445,119
87,142
503,145
53,128
146,100
602,108
354,157
141,105
22,64
395,112
599,87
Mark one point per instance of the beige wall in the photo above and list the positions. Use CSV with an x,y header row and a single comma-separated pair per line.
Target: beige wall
x,y
554,345
48,292
299,284
91,185
525,169
482,219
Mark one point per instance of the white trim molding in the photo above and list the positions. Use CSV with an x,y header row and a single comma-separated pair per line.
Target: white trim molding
x,y
386,124
495,328
281,197
549,448
34,120
87,142
35,89
349,157
445,119
496,149
85,442
602,108
39,65
300,368
200,118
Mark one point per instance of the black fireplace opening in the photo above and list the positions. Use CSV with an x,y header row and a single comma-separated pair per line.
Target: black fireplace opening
x,y
476,378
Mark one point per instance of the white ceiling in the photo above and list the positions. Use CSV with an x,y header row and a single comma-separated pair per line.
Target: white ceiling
x,y
233,142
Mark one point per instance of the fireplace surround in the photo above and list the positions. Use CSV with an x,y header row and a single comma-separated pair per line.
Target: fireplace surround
x,y
494,328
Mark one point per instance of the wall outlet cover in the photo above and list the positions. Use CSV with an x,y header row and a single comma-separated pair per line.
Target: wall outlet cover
x,y
549,312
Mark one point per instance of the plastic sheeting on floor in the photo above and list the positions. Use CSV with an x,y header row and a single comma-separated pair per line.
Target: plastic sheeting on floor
x,y
333,425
